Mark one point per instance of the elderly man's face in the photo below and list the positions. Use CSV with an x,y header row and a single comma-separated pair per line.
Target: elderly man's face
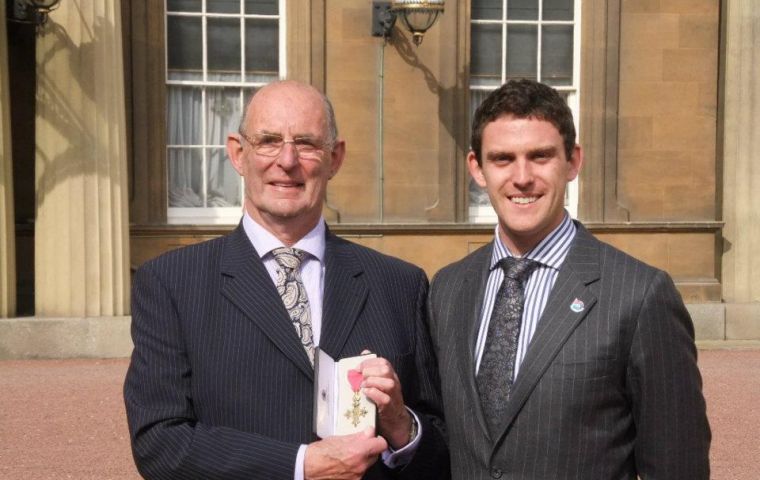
x,y
285,191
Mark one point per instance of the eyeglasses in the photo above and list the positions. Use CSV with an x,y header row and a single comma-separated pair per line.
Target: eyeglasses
x,y
271,145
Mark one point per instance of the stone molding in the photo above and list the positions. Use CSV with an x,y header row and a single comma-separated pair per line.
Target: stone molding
x,y
48,337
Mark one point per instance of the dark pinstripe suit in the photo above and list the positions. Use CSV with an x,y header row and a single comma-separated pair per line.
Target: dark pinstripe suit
x,y
219,385
606,393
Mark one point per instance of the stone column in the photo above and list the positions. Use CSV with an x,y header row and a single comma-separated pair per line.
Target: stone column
x,y
741,175
741,185
7,230
81,230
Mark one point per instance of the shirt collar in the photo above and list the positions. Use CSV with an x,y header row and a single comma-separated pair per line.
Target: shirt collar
x,y
550,252
264,242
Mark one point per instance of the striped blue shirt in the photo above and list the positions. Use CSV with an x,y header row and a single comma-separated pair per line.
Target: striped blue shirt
x,y
549,253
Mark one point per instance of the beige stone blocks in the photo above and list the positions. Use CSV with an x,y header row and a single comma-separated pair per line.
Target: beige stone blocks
x,y
641,6
709,320
640,64
707,7
732,322
655,97
689,257
388,102
93,337
690,64
685,133
683,255
429,251
652,31
743,321
697,31
667,129
668,184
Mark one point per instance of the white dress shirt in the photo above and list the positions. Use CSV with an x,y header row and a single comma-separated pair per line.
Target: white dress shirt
x,y
312,266
313,276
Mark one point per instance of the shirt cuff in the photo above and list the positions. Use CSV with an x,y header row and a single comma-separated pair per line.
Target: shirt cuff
x,y
300,458
399,458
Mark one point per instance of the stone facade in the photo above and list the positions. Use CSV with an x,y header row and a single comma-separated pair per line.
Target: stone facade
x,y
668,99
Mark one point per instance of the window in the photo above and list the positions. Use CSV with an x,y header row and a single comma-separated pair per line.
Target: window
x,y
512,39
218,53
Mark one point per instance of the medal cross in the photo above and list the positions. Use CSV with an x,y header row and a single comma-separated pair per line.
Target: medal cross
x,y
357,411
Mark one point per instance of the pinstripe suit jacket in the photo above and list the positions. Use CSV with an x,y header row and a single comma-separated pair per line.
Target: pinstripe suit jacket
x,y
219,385
610,392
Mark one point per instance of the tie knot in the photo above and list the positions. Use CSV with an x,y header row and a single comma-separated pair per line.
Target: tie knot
x,y
518,268
288,258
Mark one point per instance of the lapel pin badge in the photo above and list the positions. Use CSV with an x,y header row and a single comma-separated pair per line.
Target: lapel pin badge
x,y
577,306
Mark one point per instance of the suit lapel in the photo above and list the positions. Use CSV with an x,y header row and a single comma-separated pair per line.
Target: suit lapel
x,y
580,268
249,286
468,305
345,293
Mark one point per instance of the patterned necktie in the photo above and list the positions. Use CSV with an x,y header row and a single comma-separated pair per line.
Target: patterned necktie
x,y
497,365
293,293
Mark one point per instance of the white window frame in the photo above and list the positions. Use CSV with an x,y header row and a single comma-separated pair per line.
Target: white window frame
x,y
486,213
216,215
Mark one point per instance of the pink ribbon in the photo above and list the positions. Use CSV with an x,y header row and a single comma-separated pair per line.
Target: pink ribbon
x,y
355,378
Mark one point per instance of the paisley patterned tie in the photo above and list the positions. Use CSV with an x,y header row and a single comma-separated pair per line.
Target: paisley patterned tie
x,y
293,294
497,366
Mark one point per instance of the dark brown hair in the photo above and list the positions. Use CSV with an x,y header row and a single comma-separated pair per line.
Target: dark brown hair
x,y
524,99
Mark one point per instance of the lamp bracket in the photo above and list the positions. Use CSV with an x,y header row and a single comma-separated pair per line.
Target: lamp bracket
x,y
31,12
21,12
383,18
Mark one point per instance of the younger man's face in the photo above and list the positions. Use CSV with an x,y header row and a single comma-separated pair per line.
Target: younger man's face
x,y
525,171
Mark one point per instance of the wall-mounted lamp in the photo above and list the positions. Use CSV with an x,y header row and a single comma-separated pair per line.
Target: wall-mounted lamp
x,y
417,15
32,11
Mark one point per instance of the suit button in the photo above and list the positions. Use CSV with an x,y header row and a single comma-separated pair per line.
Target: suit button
x,y
496,473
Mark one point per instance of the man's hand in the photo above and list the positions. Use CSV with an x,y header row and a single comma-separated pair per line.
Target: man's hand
x,y
382,386
343,457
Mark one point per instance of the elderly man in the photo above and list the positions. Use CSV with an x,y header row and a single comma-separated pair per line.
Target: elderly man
x,y
561,357
221,379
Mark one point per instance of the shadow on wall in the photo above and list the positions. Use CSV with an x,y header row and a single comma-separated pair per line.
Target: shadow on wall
x,y
72,113
81,230
447,96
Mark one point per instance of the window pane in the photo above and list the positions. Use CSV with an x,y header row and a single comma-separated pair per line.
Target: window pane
x,y
557,55
261,7
185,177
223,49
183,5
261,49
522,10
487,9
247,92
184,45
477,196
522,46
558,10
223,6
223,181
184,115
485,56
222,114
